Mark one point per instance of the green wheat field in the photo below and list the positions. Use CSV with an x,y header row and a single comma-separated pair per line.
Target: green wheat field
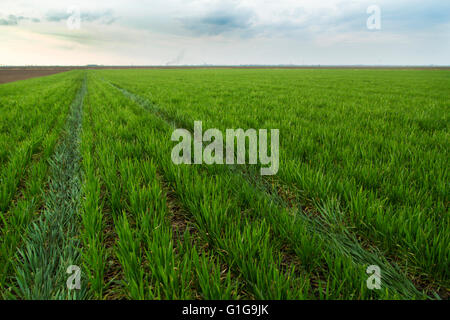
x,y
87,180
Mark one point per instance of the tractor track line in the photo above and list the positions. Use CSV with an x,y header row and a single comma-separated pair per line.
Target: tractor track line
x,y
52,243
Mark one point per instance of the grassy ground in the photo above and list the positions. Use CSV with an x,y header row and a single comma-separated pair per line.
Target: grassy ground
x,y
363,180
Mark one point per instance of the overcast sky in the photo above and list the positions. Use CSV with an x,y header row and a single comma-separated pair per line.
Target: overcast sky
x,y
225,32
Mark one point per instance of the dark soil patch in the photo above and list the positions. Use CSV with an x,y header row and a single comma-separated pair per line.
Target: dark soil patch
x,y
10,75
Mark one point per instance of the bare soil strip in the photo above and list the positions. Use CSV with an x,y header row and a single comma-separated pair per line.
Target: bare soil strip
x,y
8,75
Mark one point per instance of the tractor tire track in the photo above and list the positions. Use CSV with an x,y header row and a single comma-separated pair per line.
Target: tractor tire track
x,y
52,243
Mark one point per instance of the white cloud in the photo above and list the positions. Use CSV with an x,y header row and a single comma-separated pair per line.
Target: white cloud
x,y
224,32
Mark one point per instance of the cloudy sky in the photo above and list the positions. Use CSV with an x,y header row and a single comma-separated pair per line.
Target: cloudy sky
x,y
224,32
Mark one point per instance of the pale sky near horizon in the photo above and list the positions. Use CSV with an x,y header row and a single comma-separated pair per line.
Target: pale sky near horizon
x,y
225,32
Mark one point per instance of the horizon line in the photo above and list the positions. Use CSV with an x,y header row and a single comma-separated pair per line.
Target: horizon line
x,y
225,65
